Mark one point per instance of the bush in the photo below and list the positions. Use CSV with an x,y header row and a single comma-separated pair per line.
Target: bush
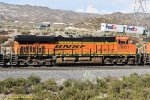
x,y
102,85
1,86
68,93
21,82
25,32
146,81
8,83
115,88
134,87
3,39
51,85
6,91
50,82
45,95
87,85
34,79
53,88
68,83
125,93
19,90
38,87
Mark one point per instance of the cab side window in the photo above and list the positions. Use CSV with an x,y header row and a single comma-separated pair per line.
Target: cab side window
x,y
122,42
27,49
43,49
31,50
21,49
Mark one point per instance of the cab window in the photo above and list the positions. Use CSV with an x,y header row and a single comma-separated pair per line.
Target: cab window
x,y
122,42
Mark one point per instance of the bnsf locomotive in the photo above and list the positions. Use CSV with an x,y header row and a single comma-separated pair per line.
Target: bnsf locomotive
x,y
31,50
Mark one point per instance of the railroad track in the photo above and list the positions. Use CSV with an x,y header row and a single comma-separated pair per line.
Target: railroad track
x,y
76,68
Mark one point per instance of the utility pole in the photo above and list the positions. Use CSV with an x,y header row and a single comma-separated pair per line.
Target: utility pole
x,y
140,11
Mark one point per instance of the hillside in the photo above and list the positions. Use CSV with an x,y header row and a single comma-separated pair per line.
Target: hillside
x,y
38,14
27,13
114,18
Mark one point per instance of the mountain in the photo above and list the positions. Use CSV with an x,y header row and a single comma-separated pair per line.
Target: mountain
x,y
38,14
27,13
115,18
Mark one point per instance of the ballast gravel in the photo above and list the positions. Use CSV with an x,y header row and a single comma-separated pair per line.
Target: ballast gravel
x,y
71,74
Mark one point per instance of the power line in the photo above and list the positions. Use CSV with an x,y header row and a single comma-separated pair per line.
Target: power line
x,y
140,11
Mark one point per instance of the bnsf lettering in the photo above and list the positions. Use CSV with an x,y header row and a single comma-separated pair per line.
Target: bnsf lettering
x,y
70,46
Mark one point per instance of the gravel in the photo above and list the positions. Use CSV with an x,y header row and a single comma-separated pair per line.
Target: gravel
x,y
59,75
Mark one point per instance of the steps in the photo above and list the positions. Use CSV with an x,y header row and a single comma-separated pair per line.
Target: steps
x,y
1,60
13,60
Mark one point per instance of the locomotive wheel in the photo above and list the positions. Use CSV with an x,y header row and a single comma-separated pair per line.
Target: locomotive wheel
x,y
131,61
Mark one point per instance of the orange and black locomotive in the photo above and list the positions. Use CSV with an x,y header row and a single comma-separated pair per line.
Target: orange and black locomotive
x,y
32,50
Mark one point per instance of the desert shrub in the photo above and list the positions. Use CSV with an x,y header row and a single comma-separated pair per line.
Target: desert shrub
x,y
125,94
76,94
1,87
34,79
50,82
6,91
146,81
51,85
6,85
101,85
78,90
131,80
21,82
45,95
115,88
3,39
61,87
109,79
77,85
25,32
68,83
69,92
87,85
147,94
20,90
83,95
9,82
39,88
53,88
134,87
137,95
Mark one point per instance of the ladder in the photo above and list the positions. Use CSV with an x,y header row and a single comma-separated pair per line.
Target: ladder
x,y
1,60
13,60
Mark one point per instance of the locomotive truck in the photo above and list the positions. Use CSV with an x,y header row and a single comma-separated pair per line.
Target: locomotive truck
x,y
32,50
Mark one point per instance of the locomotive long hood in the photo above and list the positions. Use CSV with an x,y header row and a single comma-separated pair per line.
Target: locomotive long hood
x,y
53,39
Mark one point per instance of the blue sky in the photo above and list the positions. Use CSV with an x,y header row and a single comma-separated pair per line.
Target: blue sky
x,y
90,6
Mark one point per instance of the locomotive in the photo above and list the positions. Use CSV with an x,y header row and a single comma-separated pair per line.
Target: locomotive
x,y
32,50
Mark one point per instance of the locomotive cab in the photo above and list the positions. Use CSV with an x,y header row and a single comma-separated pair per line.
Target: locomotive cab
x,y
125,47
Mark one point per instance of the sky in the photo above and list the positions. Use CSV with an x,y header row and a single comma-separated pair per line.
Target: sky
x,y
87,6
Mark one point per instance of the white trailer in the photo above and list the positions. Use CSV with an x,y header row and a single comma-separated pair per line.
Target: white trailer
x,y
134,29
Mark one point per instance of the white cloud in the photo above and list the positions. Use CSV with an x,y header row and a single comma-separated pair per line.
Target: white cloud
x,y
124,6
80,10
92,9
89,9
